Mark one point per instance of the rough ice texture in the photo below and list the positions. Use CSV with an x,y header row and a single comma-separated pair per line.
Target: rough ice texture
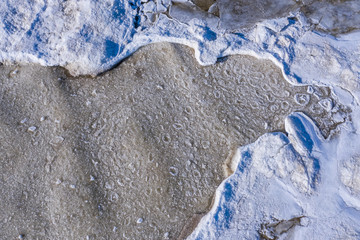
x,y
140,149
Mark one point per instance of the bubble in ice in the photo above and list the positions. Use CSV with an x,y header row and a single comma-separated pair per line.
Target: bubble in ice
x,y
32,129
173,171
326,103
302,99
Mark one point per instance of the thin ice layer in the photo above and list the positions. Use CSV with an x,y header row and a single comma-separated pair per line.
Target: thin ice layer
x,y
285,187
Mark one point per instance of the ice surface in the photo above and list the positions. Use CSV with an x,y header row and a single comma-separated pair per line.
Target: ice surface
x,y
335,17
89,37
204,4
140,148
235,15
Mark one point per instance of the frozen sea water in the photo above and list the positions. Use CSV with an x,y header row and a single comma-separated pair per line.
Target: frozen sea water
x,y
89,37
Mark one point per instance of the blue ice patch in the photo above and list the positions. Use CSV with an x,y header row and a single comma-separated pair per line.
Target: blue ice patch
x,y
33,25
245,161
200,237
111,50
40,54
316,174
223,217
302,134
36,21
224,213
9,27
209,35
118,10
86,32
228,191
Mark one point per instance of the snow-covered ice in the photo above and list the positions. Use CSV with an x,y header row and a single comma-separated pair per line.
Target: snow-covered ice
x,y
282,178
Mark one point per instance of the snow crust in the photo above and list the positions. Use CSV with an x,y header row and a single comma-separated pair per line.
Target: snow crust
x,y
277,178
